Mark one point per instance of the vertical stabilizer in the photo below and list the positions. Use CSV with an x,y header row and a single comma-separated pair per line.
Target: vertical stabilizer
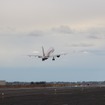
x,y
43,51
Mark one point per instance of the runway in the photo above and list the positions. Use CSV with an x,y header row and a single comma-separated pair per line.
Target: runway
x,y
53,96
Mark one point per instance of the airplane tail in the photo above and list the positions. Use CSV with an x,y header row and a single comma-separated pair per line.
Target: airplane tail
x,y
43,51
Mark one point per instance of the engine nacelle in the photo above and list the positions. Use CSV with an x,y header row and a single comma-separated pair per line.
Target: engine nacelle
x,y
58,56
43,59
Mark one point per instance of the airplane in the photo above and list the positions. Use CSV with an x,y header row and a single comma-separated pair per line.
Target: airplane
x,y
47,55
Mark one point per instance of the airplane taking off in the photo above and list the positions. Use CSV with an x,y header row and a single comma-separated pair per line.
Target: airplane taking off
x,y
47,55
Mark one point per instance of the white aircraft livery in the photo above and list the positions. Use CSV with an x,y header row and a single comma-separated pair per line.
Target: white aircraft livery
x,y
47,55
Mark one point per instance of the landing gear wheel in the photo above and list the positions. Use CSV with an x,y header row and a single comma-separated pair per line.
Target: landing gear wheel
x,y
53,59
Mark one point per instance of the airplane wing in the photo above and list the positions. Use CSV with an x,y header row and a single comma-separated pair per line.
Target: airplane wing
x,y
57,55
39,56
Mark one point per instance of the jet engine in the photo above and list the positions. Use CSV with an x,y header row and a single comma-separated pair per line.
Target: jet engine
x,y
58,56
43,59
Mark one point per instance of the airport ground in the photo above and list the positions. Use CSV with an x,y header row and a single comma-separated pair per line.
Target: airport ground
x,y
53,96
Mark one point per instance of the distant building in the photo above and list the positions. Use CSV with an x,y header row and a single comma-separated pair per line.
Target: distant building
x,y
2,82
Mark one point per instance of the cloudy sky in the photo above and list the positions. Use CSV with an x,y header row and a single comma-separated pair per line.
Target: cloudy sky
x,y
73,26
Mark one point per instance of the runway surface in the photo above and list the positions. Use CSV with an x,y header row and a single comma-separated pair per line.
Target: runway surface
x,y
53,96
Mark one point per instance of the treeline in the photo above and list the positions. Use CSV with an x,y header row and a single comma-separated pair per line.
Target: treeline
x,y
33,84
51,84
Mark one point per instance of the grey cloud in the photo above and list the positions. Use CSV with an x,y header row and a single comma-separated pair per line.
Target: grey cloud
x,y
96,33
36,33
63,29
97,52
7,31
12,32
81,45
97,30
94,37
11,29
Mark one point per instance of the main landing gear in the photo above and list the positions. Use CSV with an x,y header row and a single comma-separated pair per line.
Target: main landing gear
x,y
53,59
